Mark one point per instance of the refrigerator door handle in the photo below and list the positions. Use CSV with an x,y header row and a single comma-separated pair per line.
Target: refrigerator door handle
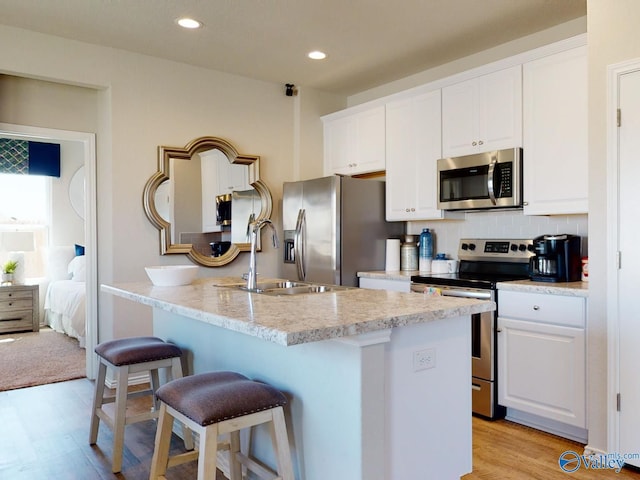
x,y
298,243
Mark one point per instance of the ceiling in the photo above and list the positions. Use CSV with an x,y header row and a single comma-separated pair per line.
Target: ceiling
x,y
368,42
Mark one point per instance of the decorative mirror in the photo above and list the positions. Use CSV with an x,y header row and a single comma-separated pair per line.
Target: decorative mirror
x,y
203,198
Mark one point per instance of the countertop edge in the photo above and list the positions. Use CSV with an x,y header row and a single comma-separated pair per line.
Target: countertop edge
x,y
570,289
298,334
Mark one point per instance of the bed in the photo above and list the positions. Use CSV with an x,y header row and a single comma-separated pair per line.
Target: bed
x,y
65,304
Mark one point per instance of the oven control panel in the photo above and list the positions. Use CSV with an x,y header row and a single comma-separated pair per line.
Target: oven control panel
x,y
505,250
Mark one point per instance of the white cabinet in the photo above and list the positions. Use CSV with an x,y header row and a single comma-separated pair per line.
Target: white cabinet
x,y
354,142
483,113
219,176
413,148
555,134
541,356
386,284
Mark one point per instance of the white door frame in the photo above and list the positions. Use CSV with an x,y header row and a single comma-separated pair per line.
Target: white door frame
x,y
88,140
614,72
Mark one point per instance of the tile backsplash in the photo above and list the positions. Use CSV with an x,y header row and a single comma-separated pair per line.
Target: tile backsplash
x,y
499,224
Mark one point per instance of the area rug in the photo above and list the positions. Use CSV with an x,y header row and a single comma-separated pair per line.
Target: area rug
x,y
37,358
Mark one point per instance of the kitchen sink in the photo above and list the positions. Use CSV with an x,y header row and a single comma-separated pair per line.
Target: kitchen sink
x,y
292,288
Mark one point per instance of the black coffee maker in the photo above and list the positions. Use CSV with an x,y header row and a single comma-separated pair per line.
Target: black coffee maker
x,y
557,258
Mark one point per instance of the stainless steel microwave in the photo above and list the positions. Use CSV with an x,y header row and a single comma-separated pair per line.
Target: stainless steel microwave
x,y
481,181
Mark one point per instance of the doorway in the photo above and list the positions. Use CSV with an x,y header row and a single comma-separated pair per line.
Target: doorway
x,y
624,163
86,142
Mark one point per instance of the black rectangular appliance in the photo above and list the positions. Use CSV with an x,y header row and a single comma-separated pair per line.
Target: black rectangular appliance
x,y
482,264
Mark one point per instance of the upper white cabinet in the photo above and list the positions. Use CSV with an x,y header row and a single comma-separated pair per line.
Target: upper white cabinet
x,y
555,134
354,143
483,113
413,147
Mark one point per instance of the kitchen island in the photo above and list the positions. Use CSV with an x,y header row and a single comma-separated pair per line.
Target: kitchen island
x,y
377,381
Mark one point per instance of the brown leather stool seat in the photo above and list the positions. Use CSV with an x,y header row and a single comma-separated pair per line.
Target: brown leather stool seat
x,y
126,356
213,404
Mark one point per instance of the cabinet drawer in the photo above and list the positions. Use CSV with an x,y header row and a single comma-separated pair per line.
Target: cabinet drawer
x,y
16,320
537,307
15,295
16,304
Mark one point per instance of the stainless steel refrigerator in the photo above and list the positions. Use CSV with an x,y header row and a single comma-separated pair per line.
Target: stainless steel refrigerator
x,y
334,227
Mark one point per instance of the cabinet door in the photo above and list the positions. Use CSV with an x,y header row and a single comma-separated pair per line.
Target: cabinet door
x,y
460,119
355,143
483,114
500,110
413,129
555,134
339,148
541,370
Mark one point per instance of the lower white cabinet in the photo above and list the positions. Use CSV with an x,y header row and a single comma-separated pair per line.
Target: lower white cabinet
x,y
541,356
385,284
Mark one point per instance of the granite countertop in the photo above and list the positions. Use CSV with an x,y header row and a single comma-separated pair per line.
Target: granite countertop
x,y
576,289
291,320
570,289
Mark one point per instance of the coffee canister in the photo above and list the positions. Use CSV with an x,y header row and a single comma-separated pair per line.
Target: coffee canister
x,y
409,253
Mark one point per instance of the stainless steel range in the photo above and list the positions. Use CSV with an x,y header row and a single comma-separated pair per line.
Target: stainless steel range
x,y
482,264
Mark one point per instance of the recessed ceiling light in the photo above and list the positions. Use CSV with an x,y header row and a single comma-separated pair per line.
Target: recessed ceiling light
x,y
317,55
186,22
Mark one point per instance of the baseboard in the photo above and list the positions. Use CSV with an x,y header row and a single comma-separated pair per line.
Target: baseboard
x,y
550,426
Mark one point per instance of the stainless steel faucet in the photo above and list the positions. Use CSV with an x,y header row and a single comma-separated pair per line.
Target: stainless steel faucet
x,y
252,280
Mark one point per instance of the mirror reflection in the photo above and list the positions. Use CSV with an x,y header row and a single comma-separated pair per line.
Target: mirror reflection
x,y
203,198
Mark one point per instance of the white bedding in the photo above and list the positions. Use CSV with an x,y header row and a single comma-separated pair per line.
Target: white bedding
x,y
64,307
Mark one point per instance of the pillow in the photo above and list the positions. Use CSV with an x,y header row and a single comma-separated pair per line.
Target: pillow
x,y
79,250
77,269
58,259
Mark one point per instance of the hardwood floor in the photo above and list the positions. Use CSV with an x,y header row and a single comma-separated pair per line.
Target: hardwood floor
x,y
44,435
505,450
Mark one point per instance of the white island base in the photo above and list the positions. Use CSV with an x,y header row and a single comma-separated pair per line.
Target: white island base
x,y
358,407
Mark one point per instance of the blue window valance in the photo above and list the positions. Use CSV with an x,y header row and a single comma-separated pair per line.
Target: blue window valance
x,y
29,158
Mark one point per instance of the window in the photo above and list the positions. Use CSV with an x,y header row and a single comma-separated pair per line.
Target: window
x,y
25,206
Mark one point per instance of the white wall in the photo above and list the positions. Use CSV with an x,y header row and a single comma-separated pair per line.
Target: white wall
x,y
142,102
521,45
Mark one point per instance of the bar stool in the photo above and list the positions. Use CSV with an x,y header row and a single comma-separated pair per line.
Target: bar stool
x,y
125,356
219,403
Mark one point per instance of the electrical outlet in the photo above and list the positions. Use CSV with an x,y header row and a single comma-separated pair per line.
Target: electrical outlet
x,y
424,359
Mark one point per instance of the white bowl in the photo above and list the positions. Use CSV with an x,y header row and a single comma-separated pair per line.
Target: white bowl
x,y
172,275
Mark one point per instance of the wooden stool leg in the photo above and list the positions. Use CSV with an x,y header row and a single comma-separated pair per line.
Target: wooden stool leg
x,y
235,467
176,372
155,384
119,420
208,451
163,441
97,403
281,444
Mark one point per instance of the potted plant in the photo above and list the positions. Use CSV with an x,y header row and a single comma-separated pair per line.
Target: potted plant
x,y
8,270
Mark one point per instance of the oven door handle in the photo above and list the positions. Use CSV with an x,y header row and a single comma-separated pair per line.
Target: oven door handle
x,y
447,292
466,294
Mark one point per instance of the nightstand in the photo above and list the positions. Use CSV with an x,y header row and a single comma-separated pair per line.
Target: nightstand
x,y
19,308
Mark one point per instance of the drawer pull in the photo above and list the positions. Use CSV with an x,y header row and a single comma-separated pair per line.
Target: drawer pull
x,y
536,307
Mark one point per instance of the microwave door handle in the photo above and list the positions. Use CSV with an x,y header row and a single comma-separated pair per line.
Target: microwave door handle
x,y
298,244
490,182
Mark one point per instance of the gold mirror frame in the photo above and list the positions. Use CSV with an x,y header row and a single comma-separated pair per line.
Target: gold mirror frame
x,y
201,144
